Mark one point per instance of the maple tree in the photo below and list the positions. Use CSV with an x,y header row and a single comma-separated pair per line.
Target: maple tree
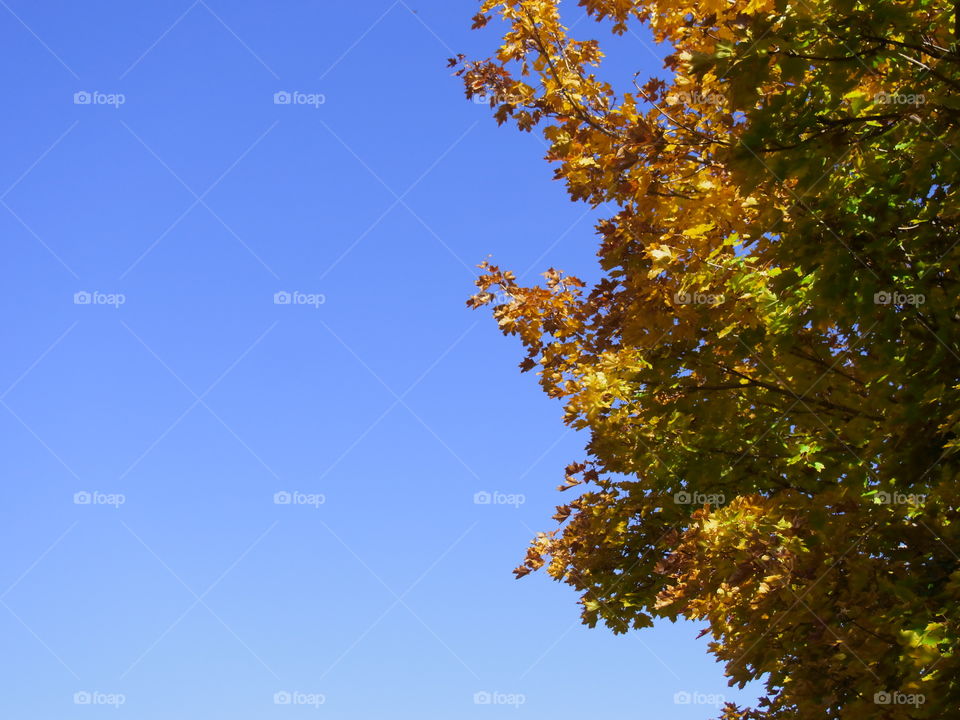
x,y
769,368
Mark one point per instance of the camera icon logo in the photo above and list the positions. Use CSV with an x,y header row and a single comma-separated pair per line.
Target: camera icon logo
x,y
282,97
882,298
682,298
882,698
482,498
82,498
682,698
282,698
82,298
282,498
682,498
282,298
82,97
883,497
482,698
82,698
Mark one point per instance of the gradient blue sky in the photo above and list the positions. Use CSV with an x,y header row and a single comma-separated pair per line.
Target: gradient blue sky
x,y
199,398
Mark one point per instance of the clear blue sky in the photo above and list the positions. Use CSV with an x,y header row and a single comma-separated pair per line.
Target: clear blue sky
x,y
198,398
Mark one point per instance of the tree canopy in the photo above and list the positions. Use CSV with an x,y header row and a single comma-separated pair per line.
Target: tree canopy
x,y
769,369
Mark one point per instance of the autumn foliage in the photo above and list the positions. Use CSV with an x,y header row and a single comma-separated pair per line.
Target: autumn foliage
x,y
769,369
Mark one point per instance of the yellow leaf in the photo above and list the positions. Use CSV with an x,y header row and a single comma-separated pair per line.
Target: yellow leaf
x,y
698,230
